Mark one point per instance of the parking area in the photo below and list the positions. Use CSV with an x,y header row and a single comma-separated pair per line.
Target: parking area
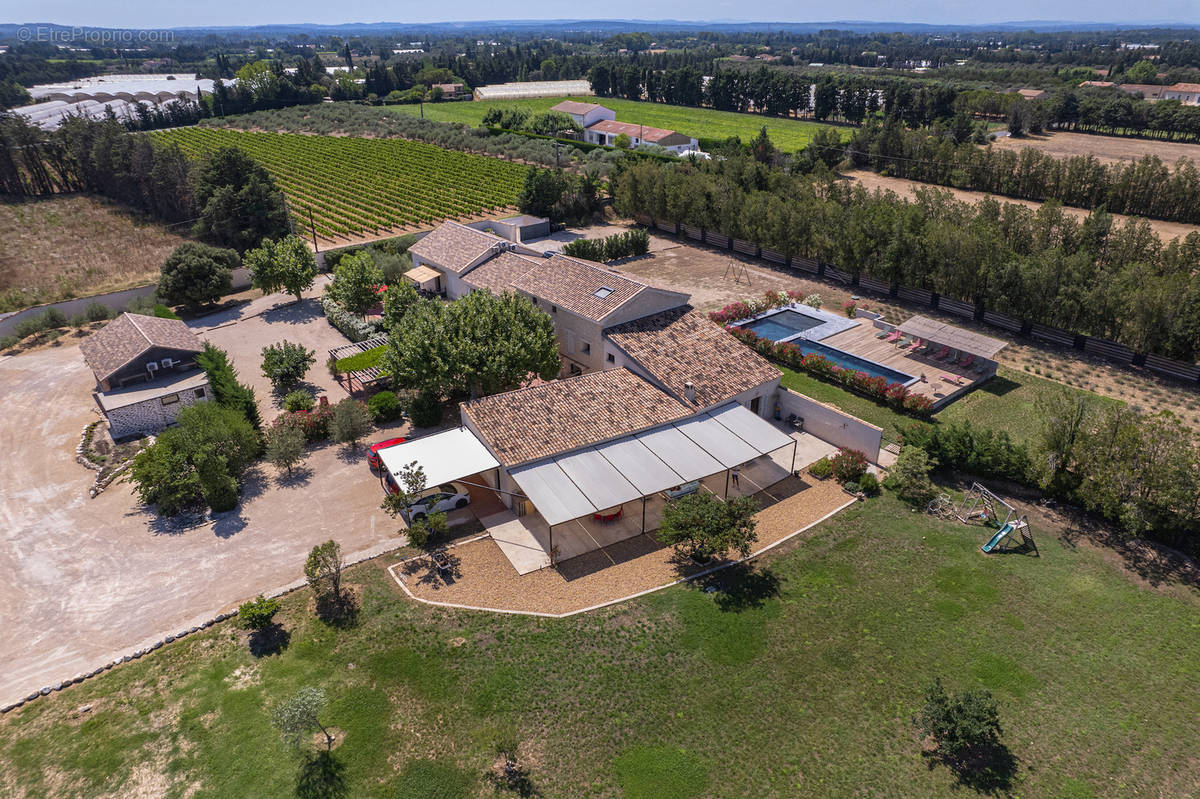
x,y
85,580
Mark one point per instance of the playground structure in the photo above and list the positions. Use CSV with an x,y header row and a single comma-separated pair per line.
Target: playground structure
x,y
981,504
737,271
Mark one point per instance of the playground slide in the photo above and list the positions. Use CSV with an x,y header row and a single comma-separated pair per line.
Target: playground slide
x,y
997,538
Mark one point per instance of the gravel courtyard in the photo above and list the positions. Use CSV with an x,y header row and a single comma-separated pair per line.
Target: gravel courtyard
x,y
83,581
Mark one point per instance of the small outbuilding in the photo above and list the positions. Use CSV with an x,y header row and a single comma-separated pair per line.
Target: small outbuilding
x,y
146,372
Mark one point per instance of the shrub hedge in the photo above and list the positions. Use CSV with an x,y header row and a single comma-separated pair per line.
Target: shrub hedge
x,y
352,327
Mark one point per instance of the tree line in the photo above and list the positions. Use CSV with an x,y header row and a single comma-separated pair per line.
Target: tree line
x,y
1147,187
853,97
1093,277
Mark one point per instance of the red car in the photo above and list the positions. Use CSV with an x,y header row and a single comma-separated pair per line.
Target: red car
x,y
373,452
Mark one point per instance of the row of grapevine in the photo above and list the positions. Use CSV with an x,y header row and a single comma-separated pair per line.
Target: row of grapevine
x,y
356,186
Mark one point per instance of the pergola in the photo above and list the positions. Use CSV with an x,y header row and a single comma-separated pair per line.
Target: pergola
x,y
445,456
424,276
605,476
952,336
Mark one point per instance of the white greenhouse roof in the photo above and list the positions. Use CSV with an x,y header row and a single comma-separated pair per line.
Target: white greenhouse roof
x,y
449,455
604,476
535,88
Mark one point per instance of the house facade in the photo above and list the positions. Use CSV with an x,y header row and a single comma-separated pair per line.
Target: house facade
x,y
146,372
606,133
1186,93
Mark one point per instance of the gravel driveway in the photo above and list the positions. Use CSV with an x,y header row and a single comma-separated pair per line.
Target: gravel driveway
x,y
83,581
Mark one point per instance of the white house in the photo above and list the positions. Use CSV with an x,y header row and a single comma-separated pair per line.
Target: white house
x,y
606,132
584,114
1186,93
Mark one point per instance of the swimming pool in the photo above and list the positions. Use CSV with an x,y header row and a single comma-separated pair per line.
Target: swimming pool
x,y
848,361
783,324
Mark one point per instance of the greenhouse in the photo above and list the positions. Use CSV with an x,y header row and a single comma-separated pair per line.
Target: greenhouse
x,y
532,89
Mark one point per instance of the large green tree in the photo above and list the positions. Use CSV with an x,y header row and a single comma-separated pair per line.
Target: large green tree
x,y
198,462
542,191
356,280
284,265
237,202
478,345
196,274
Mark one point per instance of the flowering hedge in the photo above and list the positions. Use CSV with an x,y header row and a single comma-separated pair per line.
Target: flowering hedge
x,y
314,424
752,307
895,395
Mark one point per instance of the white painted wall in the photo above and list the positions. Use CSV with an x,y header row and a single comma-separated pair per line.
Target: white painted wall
x,y
828,423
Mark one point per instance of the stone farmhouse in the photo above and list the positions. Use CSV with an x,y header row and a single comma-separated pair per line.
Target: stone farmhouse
x,y
146,372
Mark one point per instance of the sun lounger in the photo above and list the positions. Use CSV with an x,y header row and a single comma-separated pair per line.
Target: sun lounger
x,y
967,361
955,379
912,342
894,335
883,333
942,353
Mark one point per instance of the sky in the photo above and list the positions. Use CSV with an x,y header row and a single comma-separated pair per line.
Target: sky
x,y
175,13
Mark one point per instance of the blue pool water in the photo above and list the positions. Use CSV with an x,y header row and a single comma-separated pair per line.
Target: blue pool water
x,y
848,361
780,325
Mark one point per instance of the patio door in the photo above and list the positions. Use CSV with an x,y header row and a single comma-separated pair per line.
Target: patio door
x,y
755,404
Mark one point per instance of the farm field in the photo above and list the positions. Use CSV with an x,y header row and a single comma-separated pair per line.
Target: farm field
x,y
786,134
799,678
1105,148
365,187
65,247
907,188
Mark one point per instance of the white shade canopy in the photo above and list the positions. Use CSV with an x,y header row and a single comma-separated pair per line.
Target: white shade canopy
x,y
449,455
604,476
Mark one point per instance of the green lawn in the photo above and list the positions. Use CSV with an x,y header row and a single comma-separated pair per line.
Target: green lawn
x,y
799,682
786,134
1006,402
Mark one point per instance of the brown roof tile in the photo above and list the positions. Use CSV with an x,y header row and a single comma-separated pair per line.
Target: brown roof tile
x,y
128,336
574,107
682,345
453,246
632,129
497,274
564,415
578,286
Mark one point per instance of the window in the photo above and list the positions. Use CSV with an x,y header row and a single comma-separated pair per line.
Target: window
x,y
586,349
170,400
553,309
611,358
602,292
199,393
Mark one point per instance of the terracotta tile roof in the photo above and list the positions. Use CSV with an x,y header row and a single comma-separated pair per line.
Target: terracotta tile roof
x,y
587,289
497,274
632,130
682,345
573,107
564,415
453,246
128,336
1184,87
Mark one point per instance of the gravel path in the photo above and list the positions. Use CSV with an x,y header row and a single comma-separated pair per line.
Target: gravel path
x,y
484,578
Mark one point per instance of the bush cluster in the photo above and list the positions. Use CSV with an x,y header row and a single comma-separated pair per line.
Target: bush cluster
x,y
744,309
352,327
610,248
385,406
960,446
848,465
315,423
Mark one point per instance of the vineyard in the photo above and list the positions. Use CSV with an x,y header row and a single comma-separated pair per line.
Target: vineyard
x,y
361,187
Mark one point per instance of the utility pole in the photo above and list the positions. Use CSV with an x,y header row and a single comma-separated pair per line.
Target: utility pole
x,y
313,229
286,210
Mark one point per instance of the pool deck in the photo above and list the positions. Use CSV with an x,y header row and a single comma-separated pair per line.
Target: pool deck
x,y
861,341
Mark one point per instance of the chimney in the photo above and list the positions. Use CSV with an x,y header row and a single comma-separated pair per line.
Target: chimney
x,y
689,392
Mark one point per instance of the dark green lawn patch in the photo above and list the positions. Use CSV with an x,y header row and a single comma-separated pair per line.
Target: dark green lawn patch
x,y
804,683
363,360
654,772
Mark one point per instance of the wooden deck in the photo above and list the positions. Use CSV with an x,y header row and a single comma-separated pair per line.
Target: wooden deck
x,y
861,341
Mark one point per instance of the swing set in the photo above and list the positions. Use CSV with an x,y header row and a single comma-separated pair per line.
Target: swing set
x,y
737,271
981,504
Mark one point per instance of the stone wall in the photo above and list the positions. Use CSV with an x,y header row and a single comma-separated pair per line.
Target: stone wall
x,y
151,415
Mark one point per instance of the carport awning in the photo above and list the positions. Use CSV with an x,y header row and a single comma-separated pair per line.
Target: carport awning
x,y
597,478
449,455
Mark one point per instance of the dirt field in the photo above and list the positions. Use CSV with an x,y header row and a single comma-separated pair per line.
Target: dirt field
x,y
1105,148
68,247
907,188
702,272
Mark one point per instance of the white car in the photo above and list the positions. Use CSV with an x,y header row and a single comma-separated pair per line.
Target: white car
x,y
443,498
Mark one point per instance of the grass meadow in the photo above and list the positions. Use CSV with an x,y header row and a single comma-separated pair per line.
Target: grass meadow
x,y
786,134
798,678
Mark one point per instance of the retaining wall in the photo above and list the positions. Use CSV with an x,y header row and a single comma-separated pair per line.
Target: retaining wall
x,y
830,424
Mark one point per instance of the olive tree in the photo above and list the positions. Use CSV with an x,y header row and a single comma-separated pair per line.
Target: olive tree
x,y
284,265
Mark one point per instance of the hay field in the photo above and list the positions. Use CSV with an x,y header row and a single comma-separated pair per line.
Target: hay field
x,y
76,246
